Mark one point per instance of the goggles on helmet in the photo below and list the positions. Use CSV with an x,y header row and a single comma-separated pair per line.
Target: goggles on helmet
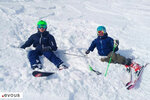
x,y
100,32
42,26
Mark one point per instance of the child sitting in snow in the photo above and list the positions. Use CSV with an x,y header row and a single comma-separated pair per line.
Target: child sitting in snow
x,y
105,46
44,44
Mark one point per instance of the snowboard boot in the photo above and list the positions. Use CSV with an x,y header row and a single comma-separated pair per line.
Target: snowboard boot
x,y
137,69
62,66
36,66
128,65
128,69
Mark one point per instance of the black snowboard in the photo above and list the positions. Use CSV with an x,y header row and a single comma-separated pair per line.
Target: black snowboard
x,y
41,74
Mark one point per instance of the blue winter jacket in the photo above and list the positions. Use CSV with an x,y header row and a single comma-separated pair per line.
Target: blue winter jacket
x,y
40,41
104,45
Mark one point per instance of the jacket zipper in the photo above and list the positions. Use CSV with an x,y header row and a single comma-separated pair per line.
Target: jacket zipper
x,y
41,41
101,46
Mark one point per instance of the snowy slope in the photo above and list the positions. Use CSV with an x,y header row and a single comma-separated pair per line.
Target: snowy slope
x,y
73,24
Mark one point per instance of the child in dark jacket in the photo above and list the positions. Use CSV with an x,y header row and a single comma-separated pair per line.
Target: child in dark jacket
x,y
44,44
105,45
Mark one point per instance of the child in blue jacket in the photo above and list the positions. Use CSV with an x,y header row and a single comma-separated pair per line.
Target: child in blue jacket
x,y
105,45
44,44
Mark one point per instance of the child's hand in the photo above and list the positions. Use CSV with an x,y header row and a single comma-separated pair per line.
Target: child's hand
x,y
87,52
116,43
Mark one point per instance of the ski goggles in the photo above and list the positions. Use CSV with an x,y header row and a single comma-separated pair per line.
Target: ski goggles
x,y
100,32
42,26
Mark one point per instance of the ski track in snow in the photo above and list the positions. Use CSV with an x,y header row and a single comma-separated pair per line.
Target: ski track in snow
x,y
73,24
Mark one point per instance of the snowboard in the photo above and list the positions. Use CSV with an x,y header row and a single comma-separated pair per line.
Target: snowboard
x,y
132,83
41,74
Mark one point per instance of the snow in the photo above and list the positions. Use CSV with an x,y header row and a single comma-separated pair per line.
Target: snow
x,y
73,24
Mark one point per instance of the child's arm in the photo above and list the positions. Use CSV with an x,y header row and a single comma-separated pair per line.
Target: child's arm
x,y
28,43
114,43
91,48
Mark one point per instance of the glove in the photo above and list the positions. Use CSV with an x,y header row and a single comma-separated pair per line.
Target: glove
x,y
116,43
23,47
87,52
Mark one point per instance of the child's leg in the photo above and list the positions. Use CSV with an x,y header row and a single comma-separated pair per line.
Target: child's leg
x,y
116,58
33,57
52,57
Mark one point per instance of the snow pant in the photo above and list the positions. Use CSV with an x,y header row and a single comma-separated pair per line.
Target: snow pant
x,y
117,58
33,57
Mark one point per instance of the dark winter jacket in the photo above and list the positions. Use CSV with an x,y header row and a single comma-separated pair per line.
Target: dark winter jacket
x,y
41,41
104,45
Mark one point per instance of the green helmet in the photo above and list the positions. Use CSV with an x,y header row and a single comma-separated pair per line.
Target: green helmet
x,y
42,24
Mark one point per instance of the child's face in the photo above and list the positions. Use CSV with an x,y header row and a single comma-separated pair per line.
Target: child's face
x,y
42,30
100,33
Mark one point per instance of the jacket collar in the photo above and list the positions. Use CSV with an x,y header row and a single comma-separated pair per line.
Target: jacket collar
x,y
43,33
102,37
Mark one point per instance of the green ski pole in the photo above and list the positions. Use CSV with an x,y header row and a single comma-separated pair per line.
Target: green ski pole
x,y
97,72
110,60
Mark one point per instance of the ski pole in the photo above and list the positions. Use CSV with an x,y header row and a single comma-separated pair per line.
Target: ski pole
x,y
97,72
110,60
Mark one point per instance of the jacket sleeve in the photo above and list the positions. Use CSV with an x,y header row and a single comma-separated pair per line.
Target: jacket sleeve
x,y
112,45
28,43
52,43
92,46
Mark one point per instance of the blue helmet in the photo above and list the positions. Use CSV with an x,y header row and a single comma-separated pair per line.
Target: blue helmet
x,y
101,28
